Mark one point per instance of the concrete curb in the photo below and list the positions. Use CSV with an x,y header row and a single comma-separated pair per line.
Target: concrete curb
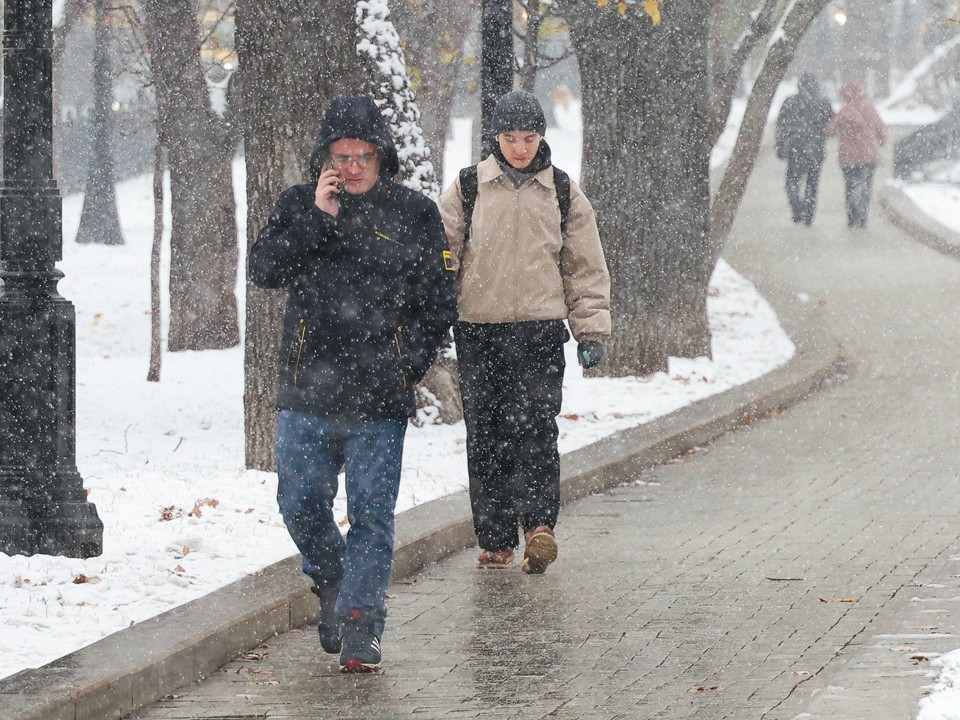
x,y
903,213
137,666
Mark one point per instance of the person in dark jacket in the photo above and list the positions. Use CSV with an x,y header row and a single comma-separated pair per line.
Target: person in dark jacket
x,y
371,295
800,141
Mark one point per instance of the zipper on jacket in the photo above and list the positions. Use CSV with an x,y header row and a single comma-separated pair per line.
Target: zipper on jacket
x,y
396,341
303,337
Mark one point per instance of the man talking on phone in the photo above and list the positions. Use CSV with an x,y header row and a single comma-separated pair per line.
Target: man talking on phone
x,y
371,295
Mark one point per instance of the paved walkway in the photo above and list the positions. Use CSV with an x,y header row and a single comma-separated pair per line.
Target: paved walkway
x,y
798,567
802,566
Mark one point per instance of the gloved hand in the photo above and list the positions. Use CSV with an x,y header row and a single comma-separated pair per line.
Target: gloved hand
x,y
589,353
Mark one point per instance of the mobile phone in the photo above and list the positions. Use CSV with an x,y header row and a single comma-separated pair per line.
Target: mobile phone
x,y
338,181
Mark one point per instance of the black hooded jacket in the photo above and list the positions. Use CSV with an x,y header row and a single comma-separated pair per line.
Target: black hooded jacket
x,y
370,293
801,122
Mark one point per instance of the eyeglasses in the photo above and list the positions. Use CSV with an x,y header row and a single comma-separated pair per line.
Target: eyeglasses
x,y
342,162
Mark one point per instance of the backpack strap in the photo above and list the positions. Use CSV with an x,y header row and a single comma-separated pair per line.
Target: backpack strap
x,y
562,181
469,186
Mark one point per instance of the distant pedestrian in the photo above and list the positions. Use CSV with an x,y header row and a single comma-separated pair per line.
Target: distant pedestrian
x,y
800,141
860,134
525,240
370,298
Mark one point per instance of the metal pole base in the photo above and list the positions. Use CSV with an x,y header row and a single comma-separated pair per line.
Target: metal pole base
x,y
43,504
31,527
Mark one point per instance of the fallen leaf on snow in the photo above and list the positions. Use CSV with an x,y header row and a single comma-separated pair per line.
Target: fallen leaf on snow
x,y
202,502
170,512
88,579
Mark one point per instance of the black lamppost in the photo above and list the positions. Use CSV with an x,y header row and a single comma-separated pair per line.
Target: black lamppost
x,y
496,63
43,505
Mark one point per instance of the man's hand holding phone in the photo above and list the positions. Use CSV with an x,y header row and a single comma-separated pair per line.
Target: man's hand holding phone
x,y
329,187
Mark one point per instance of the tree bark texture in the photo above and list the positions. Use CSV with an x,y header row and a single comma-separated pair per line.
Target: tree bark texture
x,y
496,63
646,171
156,247
295,57
744,157
203,232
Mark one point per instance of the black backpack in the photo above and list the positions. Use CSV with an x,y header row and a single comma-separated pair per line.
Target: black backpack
x,y
469,186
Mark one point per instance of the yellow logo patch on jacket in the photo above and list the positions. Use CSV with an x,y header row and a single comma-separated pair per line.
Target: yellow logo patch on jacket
x,y
448,260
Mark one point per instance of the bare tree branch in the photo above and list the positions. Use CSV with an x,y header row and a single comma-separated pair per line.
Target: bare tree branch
x,y
791,29
726,84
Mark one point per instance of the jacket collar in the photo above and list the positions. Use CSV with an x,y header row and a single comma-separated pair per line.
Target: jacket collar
x,y
375,196
489,170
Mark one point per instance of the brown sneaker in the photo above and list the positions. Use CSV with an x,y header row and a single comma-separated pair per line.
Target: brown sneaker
x,y
541,550
495,559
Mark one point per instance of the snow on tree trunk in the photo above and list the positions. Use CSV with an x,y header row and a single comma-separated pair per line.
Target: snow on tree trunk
x,y
378,46
435,36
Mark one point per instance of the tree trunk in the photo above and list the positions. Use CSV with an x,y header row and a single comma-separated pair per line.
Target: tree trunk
x,y
496,63
531,47
99,220
433,36
747,148
646,171
295,57
156,317
203,233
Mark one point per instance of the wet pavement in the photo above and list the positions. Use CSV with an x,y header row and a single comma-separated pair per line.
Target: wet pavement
x,y
801,566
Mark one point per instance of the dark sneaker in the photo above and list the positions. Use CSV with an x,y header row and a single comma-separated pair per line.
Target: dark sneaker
x,y
361,647
541,550
495,559
328,626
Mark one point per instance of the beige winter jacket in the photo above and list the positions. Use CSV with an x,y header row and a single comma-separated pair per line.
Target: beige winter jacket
x,y
516,266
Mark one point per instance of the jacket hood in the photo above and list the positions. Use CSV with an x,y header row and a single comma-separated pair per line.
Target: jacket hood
x,y
809,85
356,118
852,91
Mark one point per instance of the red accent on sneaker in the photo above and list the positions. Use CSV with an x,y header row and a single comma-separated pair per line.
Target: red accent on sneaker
x,y
355,666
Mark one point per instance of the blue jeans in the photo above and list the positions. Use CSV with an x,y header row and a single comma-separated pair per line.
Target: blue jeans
x,y
310,452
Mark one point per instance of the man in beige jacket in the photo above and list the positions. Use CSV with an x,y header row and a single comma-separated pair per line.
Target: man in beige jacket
x,y
528,257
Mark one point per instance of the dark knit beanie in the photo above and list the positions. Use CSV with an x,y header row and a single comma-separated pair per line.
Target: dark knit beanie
x,y
518,110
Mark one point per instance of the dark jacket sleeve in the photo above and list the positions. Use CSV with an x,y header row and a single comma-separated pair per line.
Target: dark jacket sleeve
x,y
433,296
295,234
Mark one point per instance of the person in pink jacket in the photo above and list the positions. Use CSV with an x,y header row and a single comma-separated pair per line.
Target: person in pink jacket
x,y
860,134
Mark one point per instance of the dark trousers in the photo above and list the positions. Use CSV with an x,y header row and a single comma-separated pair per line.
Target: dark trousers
x,y
859,182
803,181
511,382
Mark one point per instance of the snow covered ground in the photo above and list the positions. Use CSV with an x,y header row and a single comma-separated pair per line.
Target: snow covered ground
x,y
163,462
